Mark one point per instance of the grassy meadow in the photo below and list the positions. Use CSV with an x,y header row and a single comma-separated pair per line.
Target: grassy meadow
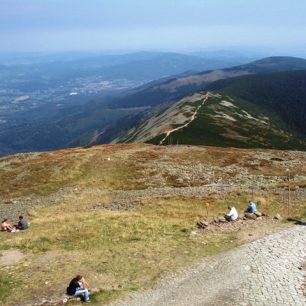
x,y
118,251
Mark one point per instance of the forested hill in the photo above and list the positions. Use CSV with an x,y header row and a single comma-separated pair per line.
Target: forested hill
x,y
275,64
267,110
283,93
178,86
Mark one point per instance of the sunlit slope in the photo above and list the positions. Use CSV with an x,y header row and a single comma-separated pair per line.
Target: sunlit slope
x,y
250,111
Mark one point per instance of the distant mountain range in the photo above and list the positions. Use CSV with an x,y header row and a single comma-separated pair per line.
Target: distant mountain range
x,y
245,100
178,86
51,119
139,66
280,97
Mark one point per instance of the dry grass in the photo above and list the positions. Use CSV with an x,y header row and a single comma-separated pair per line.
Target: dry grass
x,y
76,167
121,251
117,251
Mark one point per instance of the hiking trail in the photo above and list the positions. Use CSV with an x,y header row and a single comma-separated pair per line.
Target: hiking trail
x,y
263,272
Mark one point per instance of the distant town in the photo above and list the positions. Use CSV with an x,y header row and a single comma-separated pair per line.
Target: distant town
x,y
15,99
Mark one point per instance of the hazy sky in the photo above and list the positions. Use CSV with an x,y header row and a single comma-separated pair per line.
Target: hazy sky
x,y
61,25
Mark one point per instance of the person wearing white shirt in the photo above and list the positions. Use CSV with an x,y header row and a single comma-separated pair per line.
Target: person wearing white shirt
x,y
232,215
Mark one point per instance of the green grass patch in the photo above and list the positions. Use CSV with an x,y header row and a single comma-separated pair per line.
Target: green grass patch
x,y
106,296
6,285
40,244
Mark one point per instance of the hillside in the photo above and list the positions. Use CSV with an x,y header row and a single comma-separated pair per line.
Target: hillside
x,y
125,215
251,111
160,93
283,93
52,118
85,120
180,86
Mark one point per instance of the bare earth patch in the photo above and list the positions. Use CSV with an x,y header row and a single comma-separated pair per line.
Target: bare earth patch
x,y
11,257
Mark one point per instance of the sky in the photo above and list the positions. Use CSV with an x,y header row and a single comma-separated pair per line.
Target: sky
x,y
94,25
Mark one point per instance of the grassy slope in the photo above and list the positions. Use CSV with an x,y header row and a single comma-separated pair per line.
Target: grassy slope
x,y
176,88
282,93
207,129
118,251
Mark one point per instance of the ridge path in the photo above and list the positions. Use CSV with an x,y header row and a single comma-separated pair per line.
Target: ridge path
x,y
206,97
264,272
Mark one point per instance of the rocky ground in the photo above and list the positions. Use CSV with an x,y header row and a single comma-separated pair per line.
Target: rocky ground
x,y
183,171
130,199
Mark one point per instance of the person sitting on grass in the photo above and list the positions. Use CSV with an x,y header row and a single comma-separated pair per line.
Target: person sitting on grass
x,y
232,215
251,208
5,226
79,287
22,223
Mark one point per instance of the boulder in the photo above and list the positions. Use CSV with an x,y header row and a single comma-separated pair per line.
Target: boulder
x,y
278,217
222,220
250,216
202,224
257,214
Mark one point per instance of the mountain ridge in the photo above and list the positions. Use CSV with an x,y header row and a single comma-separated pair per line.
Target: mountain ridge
x,y
188,83
103,119
243,106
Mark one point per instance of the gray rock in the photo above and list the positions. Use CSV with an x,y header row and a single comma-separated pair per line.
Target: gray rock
x,y
257,214
222,220
202,224
278,217
250,216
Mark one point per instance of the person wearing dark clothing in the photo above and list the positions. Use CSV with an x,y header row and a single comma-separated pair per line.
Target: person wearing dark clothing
x,y
79,287
22,223
251,207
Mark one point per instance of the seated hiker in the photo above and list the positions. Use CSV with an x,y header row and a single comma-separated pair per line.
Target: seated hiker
x,y
232,215
5,226
22,223
79,287
251,208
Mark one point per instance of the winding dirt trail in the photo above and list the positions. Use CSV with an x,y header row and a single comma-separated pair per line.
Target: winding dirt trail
x,y
207,96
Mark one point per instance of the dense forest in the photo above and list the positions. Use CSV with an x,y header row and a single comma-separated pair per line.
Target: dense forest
x,y
283,93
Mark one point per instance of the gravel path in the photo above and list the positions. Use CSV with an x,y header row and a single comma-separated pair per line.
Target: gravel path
x,y
264,272
206,97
